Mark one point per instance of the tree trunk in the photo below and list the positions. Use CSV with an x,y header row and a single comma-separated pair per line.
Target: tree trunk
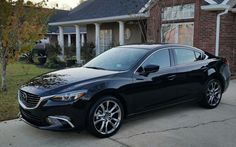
x,y
4,73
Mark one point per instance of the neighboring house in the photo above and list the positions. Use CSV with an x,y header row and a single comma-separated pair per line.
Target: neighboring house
x,y
108,23
190,22
52,36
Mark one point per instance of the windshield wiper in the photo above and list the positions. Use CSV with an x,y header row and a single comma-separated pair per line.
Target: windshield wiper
x,y
99,68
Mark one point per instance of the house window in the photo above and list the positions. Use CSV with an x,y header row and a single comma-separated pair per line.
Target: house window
x,y
178,32
105,40
178,12
181,33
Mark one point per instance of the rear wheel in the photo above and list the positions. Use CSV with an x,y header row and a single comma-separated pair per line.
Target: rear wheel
x,y
213,94
105,117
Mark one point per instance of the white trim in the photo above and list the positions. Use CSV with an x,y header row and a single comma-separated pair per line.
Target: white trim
x,y
212,2
61,41
97,38
177,33
78,43
225,2
234,10
106,19
121,33
82,40
73,33
147,5
66,33
69,40
215,7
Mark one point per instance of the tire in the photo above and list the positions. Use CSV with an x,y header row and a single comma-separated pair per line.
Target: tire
x,y
212,94
105,121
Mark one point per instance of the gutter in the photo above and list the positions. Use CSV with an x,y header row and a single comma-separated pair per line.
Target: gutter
x,y
216,7
105,19
218,24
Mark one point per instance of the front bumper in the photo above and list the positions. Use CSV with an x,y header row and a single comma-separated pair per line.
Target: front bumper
x,y
57,125
55,117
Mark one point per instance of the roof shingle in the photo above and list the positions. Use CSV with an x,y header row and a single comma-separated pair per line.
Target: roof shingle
x,y
92,9
58,14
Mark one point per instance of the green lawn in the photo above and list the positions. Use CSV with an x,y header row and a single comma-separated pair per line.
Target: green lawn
x,y
17,74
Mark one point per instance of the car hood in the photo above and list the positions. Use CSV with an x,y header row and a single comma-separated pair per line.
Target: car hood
x,y
62,79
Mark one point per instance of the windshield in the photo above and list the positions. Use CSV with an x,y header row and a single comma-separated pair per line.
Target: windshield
x,y
117,59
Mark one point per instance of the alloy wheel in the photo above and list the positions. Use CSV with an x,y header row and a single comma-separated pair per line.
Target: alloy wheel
x,y
214,93
107,117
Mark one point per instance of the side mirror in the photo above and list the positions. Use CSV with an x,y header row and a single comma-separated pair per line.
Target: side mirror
x,y
151,69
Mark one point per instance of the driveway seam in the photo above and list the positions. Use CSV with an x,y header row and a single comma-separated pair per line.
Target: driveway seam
x,y
177,128
119,142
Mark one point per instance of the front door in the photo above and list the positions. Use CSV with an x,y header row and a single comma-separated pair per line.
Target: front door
x,y
155,88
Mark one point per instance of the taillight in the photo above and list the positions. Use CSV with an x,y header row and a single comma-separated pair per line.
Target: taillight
x,y
225,61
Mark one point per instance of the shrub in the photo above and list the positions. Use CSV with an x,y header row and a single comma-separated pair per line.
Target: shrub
x,y
88,52
55,62
26,58
52,50
70,51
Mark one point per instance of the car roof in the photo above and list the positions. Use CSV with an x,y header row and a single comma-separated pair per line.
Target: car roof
x,y
157,46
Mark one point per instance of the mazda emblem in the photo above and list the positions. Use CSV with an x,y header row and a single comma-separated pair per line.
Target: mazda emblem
x,y
24,96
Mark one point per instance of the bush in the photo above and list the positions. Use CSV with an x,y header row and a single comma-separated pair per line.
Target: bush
x,y
70,51
53,50
88,52
26,58
42,60
55,62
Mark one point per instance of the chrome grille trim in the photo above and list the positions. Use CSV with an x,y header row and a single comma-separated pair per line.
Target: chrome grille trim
x,y
33,107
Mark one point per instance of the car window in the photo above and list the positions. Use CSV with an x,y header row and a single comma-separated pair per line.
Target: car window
x,y
160,58
184,56
117,59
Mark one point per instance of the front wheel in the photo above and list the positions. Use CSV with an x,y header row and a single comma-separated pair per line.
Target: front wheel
x,y
213,94
105,117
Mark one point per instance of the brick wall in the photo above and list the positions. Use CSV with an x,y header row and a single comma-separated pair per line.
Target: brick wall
x,y
206,34
204,29
154,25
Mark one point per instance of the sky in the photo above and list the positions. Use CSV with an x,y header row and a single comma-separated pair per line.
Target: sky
x,y
62,4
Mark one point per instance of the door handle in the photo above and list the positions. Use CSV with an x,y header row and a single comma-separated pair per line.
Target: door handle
x,y
171,78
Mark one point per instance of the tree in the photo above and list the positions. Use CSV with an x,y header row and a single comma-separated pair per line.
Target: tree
x,y
21,26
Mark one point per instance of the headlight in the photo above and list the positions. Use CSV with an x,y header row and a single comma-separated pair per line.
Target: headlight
x,y
69,96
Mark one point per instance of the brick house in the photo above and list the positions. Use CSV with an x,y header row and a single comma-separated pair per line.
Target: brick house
x,y
190,22
194,22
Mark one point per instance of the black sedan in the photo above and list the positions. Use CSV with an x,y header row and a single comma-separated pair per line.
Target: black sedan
x,y
122,82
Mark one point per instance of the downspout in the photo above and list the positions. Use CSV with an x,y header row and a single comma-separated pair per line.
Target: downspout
x,y
218,23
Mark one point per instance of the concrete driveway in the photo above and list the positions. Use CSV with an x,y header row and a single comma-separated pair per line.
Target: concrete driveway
x,y
180,126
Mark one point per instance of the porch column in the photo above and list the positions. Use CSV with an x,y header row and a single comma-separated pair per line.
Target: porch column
x,y
97,38
78,46
121,33
61,41
82,39
69,40
58,38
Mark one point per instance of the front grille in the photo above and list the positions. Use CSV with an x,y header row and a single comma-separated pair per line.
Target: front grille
x,y
34,119
28,99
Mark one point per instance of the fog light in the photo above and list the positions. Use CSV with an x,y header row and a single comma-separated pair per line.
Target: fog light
x,y
52,121
60,120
